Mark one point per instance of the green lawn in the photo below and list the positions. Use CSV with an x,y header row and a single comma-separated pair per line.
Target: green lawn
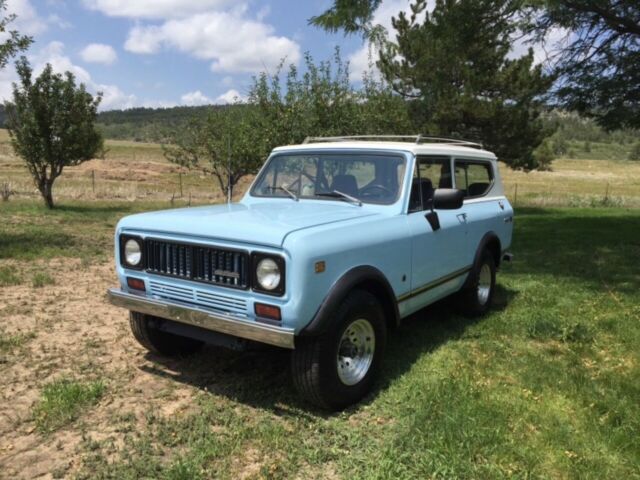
x,y
545,386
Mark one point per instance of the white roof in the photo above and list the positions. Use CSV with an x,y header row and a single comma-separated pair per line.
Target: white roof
x,y
415,148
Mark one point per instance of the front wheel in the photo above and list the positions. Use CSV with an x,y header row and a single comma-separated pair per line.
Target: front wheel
x,y
145,331
338,368
477,296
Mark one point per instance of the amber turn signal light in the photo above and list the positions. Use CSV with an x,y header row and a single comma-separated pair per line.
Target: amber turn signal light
x,y
267,311
135,283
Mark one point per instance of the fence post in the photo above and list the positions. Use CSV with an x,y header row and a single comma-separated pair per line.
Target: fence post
x,y
180,179
515,195
93,181
606,193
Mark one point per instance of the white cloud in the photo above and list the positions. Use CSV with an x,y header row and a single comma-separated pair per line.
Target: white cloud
x,y
233,42
154,8
58,21
28,21
99,53
195,98
230,96
53,53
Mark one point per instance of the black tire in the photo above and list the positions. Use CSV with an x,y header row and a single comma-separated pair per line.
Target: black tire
x,y
314,361
471,302
156,341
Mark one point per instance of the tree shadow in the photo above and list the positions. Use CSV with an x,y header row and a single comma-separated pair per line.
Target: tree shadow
x,y
33,242
595,247
261,377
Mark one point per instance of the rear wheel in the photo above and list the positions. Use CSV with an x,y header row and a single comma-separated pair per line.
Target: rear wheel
x,y
338,368
146,332
477,296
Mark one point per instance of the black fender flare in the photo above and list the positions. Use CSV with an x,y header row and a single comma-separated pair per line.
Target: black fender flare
x,y
488,238
324,319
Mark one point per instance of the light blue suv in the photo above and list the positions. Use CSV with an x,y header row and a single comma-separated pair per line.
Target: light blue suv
x,y
336,241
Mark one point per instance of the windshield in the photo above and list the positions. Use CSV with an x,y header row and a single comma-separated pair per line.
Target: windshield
x,y
367,178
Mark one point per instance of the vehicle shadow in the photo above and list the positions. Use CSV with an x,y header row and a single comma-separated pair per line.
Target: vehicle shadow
x,y
261,378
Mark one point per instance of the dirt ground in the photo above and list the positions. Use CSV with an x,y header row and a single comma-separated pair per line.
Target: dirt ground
x,y
76,334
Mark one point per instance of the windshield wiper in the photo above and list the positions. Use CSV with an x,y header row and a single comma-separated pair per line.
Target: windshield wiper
x,y
288,192
338,194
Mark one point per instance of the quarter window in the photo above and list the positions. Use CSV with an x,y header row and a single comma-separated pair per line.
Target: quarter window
x,y
473,178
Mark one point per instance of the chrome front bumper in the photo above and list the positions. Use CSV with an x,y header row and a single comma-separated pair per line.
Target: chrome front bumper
x,y
204,318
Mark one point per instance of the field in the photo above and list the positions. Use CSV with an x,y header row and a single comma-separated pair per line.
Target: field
x,y
545,386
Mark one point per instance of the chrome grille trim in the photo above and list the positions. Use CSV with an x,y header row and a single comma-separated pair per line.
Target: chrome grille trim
x,y
200,263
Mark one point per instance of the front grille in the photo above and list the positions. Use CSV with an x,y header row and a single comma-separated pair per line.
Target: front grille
x,y
200,297
217,266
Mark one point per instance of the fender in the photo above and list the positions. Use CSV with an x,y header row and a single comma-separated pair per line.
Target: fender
x,y
489,237
324,319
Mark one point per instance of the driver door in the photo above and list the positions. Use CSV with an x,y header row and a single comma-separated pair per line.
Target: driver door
x,y
437,256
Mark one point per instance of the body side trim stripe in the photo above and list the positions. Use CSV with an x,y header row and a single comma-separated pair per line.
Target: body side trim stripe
x,y
434,284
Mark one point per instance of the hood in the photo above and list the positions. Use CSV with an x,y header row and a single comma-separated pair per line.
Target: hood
x,y
264,223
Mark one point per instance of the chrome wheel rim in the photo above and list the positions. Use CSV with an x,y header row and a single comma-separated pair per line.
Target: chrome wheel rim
x,y
355,351
484,284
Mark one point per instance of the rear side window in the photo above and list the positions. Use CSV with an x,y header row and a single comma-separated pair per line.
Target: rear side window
x,y
474,178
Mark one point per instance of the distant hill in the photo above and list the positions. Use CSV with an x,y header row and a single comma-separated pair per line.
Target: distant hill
x,y
157,125
148,124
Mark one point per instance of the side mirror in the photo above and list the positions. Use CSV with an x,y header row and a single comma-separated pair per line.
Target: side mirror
x,y
447,198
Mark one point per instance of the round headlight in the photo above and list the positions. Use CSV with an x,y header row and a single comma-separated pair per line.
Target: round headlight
x,y
132,252
268,274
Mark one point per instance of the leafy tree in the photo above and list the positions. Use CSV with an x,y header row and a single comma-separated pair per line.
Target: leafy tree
x,y
323,102
13,42
228,144
234,141
453,65
51,123
598,65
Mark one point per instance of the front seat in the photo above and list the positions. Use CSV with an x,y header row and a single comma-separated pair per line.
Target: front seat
x,y
345,184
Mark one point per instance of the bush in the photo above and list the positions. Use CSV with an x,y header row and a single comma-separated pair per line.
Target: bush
x,y
634,154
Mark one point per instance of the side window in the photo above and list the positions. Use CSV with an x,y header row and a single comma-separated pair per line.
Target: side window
x,y
473,178
430,173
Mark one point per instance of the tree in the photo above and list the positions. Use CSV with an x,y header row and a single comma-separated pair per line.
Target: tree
x,y
453,66
233,142
323,102
228,144
598,66
51,123
13,42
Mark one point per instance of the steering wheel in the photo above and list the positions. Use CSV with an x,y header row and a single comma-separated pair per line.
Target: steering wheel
x,y
369,190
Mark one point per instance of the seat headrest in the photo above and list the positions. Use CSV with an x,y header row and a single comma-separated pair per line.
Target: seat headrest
x,y
345,184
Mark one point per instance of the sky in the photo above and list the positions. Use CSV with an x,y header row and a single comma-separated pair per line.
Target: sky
x,y
162,53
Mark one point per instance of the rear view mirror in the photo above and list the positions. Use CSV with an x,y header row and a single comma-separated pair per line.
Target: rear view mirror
x,y
447,198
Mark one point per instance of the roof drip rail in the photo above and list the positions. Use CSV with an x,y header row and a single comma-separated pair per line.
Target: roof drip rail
x,y
417,139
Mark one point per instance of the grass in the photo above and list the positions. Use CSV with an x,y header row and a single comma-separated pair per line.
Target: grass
x,y
545,386
63,400
73,229
10,342
42,279
9,276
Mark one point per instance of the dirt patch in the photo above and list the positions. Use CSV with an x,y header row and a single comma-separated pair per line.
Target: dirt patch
x,y
73,332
